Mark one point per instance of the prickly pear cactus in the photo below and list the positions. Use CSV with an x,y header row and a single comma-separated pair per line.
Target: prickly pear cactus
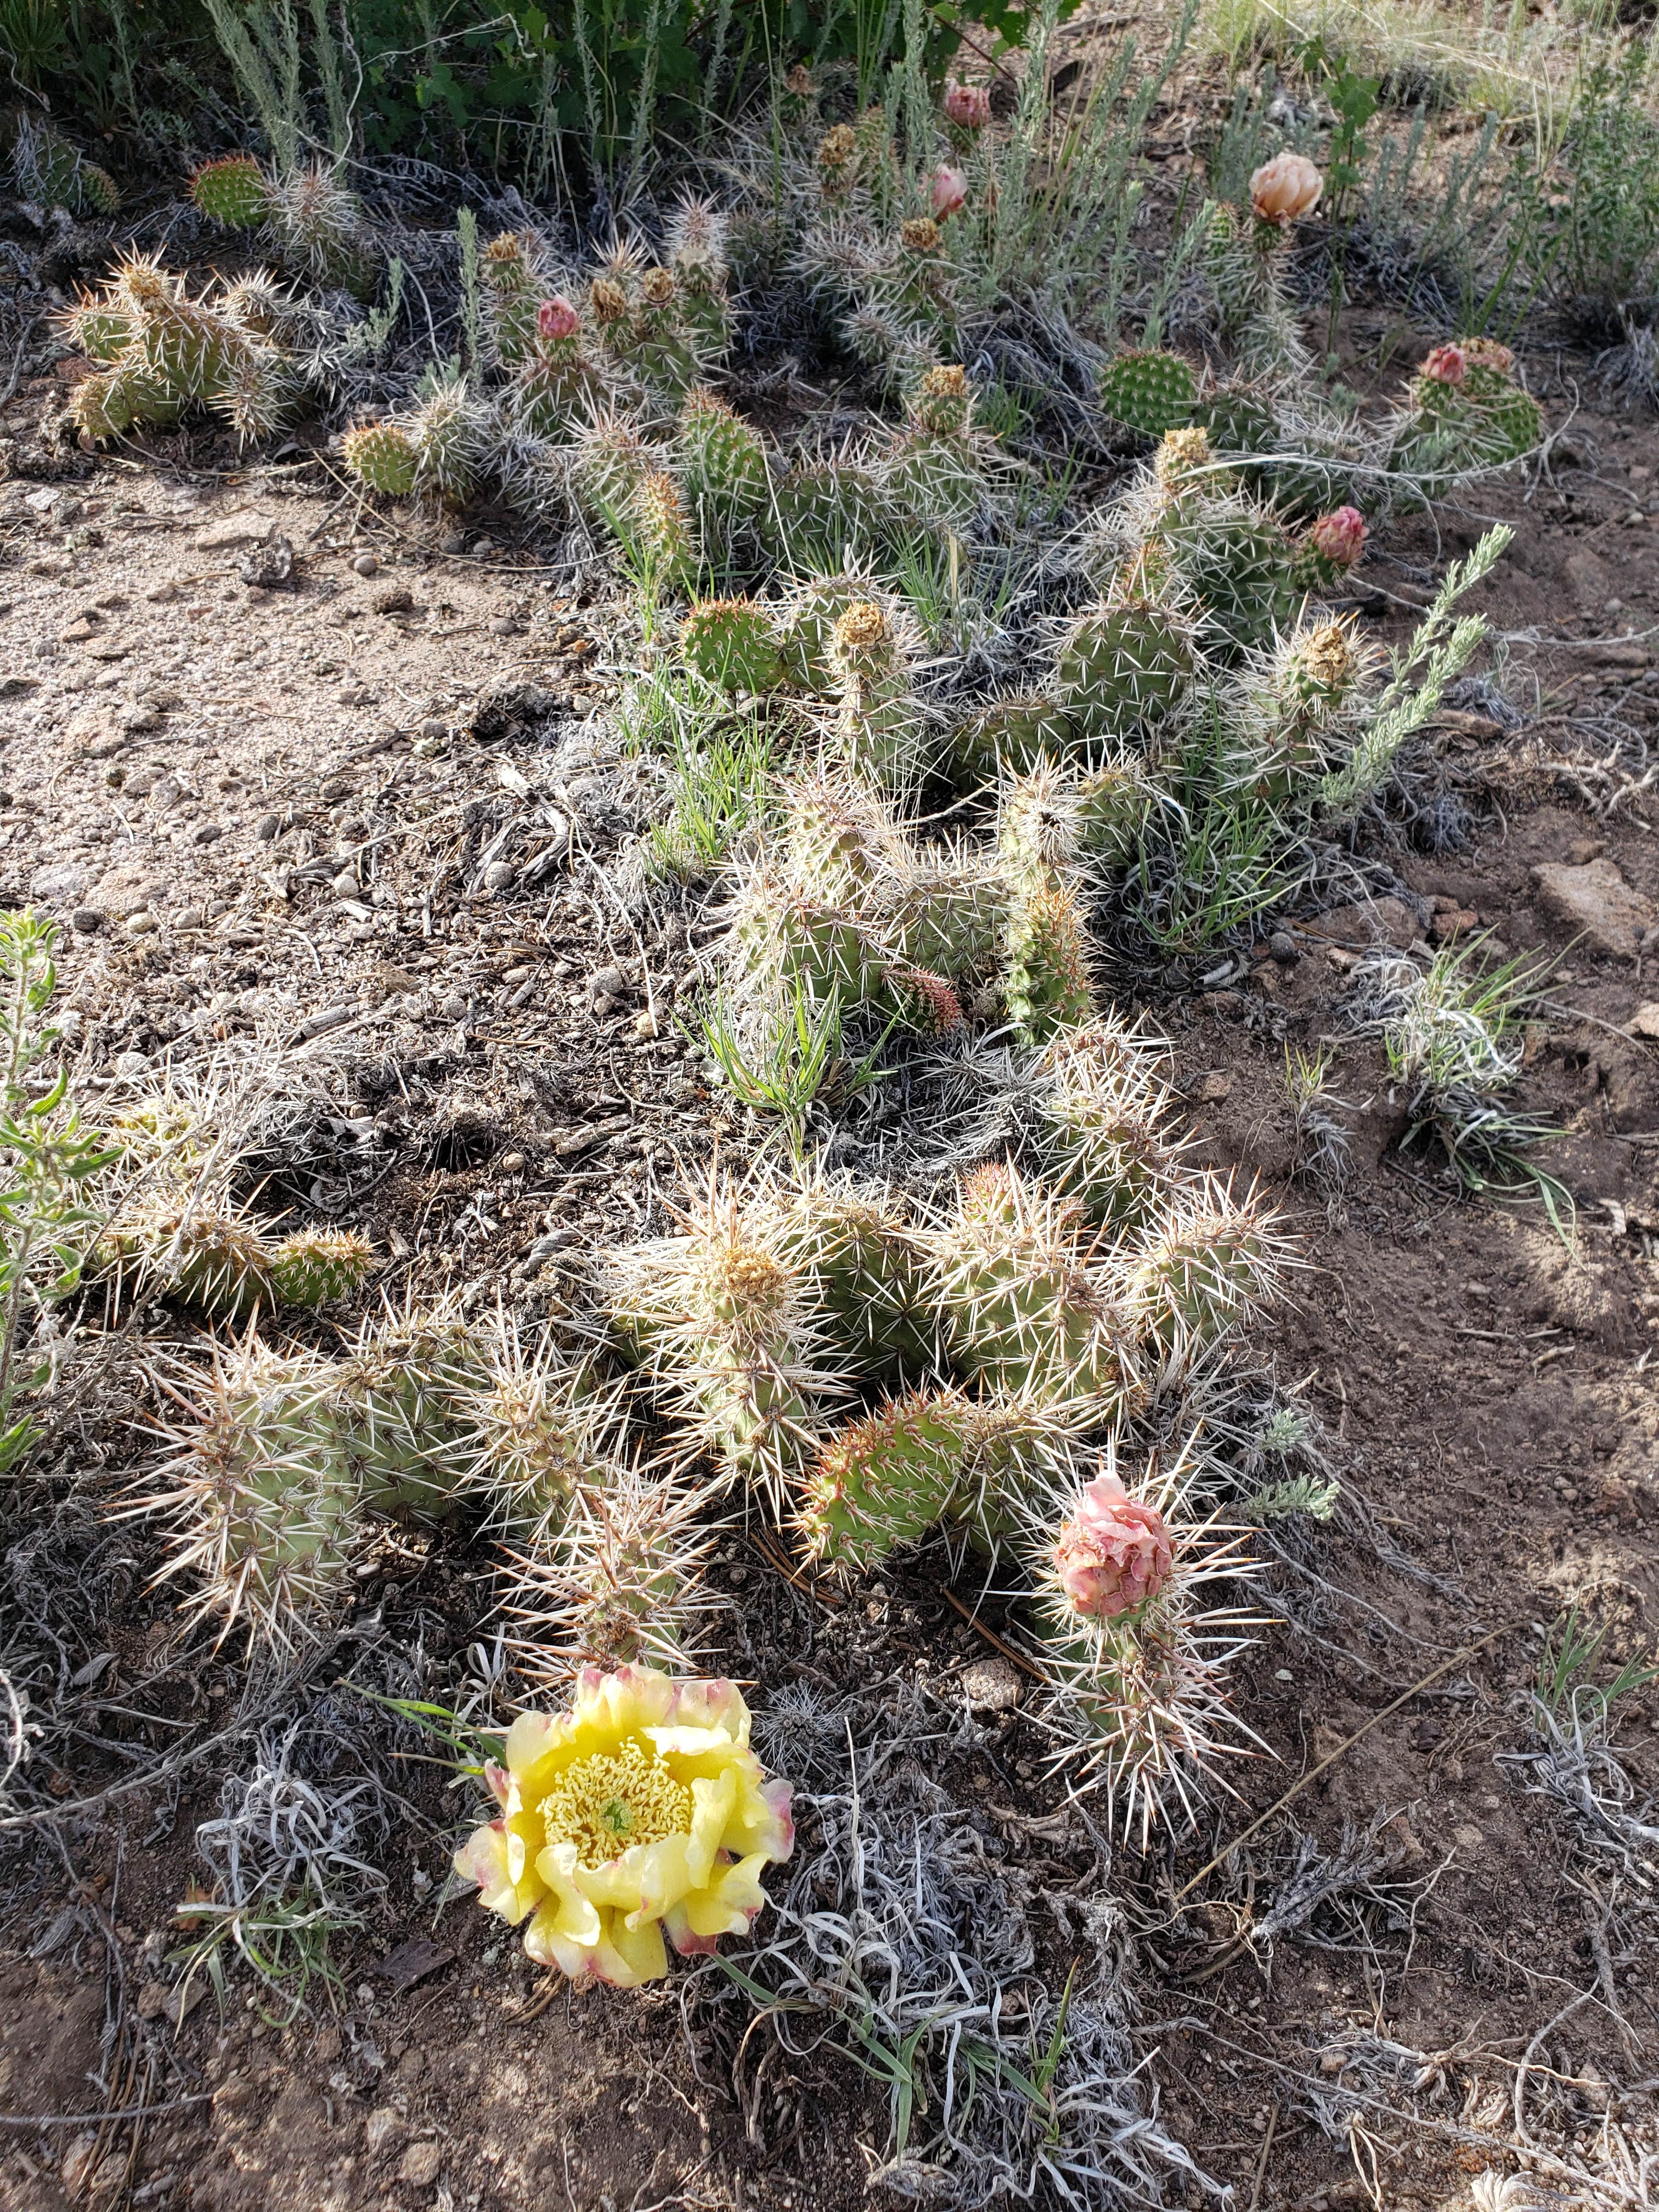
x,y
1123,668
723,466
315,1265
1150,393
382,457
734,643
1045,978
884,1479
233,191
1012,734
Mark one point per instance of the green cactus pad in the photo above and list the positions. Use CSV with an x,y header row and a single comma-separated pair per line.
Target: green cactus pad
x,y
233,191
382,457
884,1480
734,643
1150,393
1121,668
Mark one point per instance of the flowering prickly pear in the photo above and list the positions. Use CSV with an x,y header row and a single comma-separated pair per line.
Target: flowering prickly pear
x,y
1150,393
947,191
967,106
1285,189
1112,1556
942,402
315,1265
734,643
1242,256
812,613
1234,560
511,294
1464,413
233,191
837,161
884,1479
382,457
1333,546
877,722
612,459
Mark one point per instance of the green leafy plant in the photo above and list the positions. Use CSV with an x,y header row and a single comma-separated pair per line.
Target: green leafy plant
x,y
1587,212
286,1942
48,1164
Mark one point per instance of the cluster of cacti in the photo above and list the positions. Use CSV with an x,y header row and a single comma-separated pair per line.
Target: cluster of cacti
x,y
48,170
893,1371
165,354
310,218
1464,411
186,1239
284,1464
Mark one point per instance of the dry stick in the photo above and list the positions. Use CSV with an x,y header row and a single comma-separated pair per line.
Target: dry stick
x,y
1262,2163
990,1635
1331,1758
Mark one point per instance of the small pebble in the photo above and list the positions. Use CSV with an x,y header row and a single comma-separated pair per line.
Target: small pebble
x,y
86,919
131,1065
141,924
484,545
608,983
345,884
1283,947
455,543
503,626
648,1025
499,876
190,919
268,827
366,565
512,1163
392,599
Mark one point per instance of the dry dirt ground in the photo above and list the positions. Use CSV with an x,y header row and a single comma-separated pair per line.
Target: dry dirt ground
x,y
274,813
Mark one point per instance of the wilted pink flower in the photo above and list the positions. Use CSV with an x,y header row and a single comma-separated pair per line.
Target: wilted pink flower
x,y
557,318
1339,537
1486,353
1285,189
968,105
950,190
1447,364
1114,1554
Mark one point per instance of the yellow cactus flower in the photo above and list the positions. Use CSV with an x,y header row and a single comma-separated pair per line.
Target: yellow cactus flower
x,y
640,1813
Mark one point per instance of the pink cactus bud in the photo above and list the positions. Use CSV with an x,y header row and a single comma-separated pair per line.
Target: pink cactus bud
x,y
950,191
1447,364
1339,537
1114,1554
968,105
557,318
1284,190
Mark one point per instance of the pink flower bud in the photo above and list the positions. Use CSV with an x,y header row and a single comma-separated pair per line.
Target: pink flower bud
x,y
968,105
1285,189
1447,364
557,318
950,191
1114,1554
1339,537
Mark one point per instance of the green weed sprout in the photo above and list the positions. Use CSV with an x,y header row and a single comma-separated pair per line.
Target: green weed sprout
x,y
718,780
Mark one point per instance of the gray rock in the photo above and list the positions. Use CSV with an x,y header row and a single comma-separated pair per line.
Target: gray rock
x,y
63,879
141,924
1596,902
366,565
131,1065
608,983
991,1686
1282,947
86,919
268,827
499,876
